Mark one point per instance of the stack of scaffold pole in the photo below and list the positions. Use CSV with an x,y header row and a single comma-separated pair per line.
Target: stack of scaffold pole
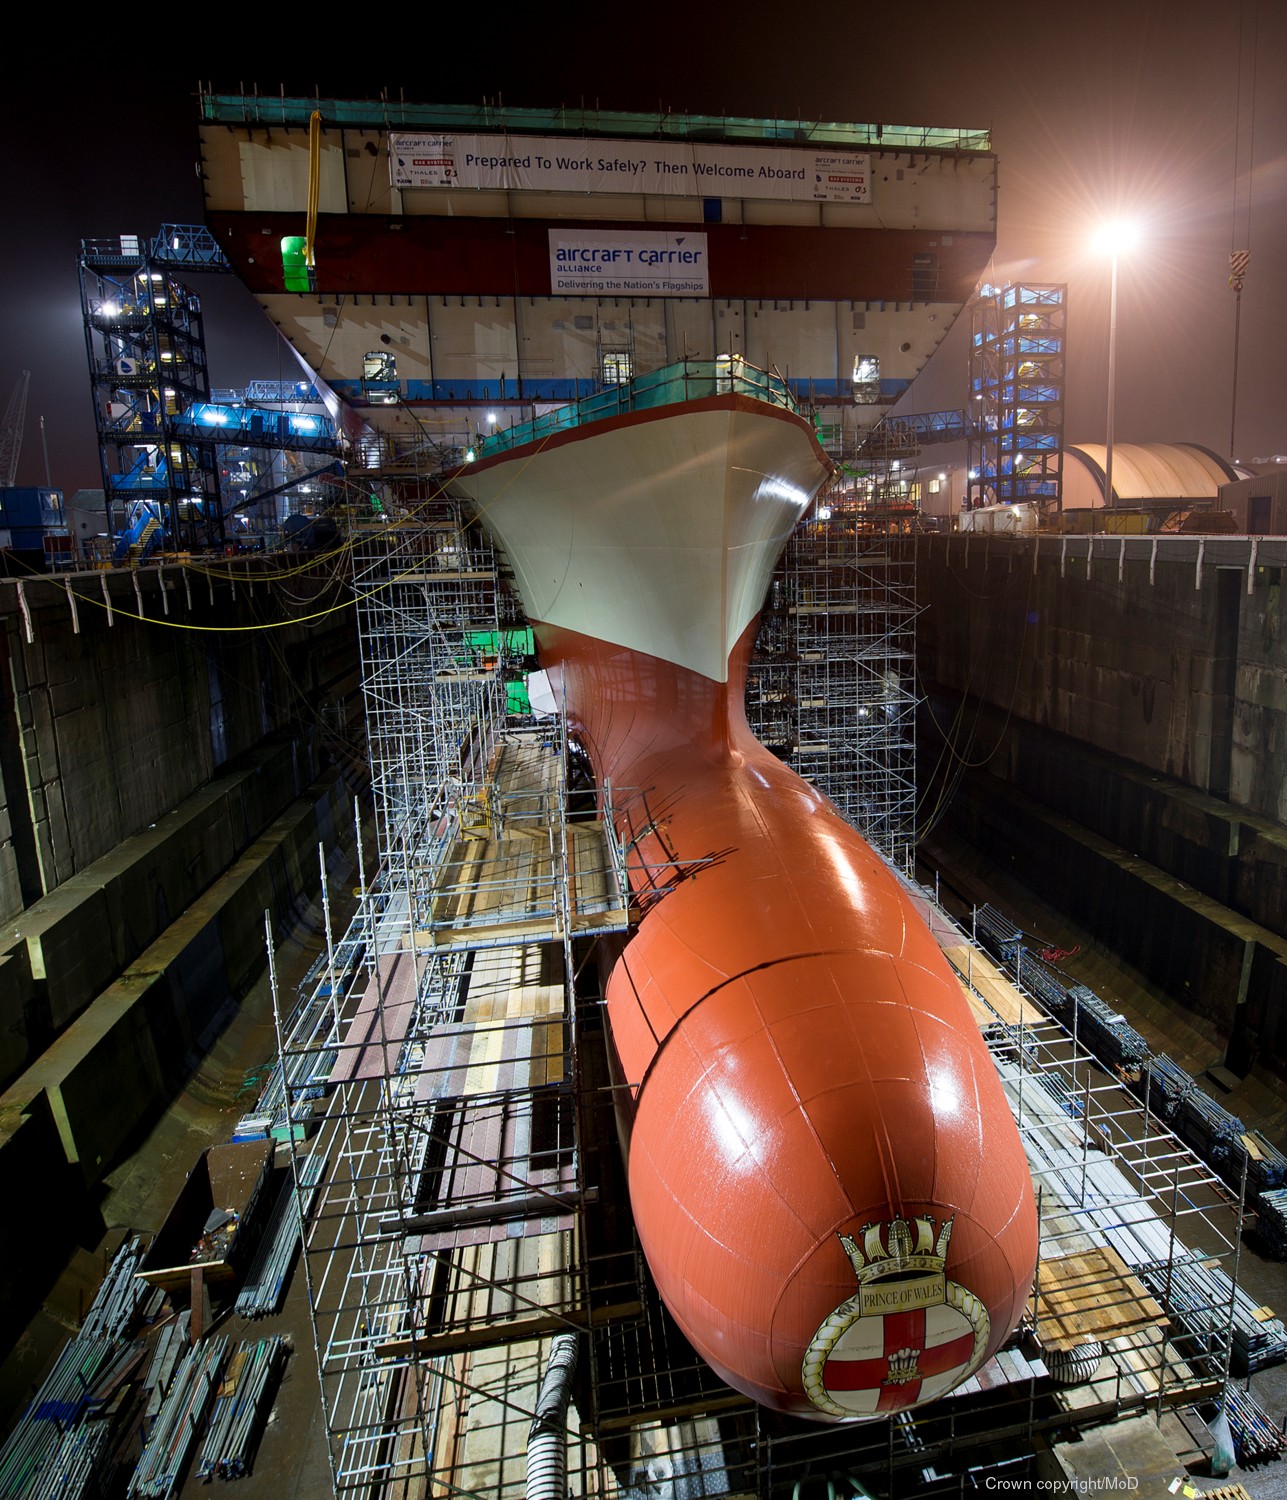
x,y
241,1408
265,1283
180,1419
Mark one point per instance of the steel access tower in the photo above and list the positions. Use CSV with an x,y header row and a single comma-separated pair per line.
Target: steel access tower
x,y
1017,371
145,339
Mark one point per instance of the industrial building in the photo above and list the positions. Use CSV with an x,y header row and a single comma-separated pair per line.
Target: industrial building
x,y
467,291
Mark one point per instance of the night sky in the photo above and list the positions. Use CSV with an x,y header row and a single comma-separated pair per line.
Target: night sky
x,y
1173,113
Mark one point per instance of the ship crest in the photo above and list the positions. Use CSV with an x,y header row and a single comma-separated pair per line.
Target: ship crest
x,y
908,1334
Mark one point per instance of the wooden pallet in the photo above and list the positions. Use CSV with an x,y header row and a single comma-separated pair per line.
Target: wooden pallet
x,y
1091,1296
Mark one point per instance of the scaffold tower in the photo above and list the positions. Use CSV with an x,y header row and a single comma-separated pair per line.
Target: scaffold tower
x,y
429,630
1017,368
831,687
145,338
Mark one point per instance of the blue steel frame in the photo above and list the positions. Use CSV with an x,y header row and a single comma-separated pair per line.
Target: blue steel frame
x,y
1017,372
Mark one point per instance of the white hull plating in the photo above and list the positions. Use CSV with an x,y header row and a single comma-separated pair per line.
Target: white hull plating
x,y
656,531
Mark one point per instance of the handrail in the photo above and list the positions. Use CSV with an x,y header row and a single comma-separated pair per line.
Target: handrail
x,y
401,114
687,380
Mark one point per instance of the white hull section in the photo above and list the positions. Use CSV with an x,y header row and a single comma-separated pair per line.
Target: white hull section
x,y
656,531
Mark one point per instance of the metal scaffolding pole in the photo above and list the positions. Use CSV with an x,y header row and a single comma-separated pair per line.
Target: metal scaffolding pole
x,y
831,685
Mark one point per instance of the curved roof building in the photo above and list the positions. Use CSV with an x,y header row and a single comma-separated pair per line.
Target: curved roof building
x,y
1143,472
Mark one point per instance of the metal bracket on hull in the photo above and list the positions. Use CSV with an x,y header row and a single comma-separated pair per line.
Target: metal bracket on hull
x,y
650,878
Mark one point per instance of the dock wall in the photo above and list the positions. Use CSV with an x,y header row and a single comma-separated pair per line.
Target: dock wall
x,y
109,719
161,787
1110,718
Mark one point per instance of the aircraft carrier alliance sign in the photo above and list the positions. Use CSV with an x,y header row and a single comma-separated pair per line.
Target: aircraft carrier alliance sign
x,y
649,263
690,169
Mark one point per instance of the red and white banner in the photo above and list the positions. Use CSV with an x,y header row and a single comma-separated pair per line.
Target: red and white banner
x,y
693,169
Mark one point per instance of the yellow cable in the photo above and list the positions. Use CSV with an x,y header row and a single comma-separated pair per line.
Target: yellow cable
x,y
311,215
62,584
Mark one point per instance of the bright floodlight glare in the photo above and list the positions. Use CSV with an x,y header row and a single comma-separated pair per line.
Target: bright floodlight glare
x,y
1116,236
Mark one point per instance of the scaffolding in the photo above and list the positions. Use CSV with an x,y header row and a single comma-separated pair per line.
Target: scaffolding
x,y
473,1212
431,1059
448,1060
429,629
183,465
1017,373
145,339
830,688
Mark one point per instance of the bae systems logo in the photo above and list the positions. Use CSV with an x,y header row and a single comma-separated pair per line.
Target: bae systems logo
x,y
907,1336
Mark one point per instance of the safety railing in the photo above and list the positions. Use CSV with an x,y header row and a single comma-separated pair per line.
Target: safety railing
x,y
404,114
688,380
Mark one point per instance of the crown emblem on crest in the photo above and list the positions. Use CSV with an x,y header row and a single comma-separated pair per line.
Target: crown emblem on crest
x,y
898,1246
902,1367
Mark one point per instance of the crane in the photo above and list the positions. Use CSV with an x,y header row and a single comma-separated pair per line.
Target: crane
x,y
11,432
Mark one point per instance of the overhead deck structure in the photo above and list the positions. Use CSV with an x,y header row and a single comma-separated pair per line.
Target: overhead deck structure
x,y
472,266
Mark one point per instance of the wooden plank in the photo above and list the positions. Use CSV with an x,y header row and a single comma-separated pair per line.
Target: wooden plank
x,y
997,992
480,1336
372,1041
983,1017
554,1058
1091,1296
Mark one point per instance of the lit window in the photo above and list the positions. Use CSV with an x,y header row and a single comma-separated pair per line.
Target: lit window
x,y
866,379
618,367
378,365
